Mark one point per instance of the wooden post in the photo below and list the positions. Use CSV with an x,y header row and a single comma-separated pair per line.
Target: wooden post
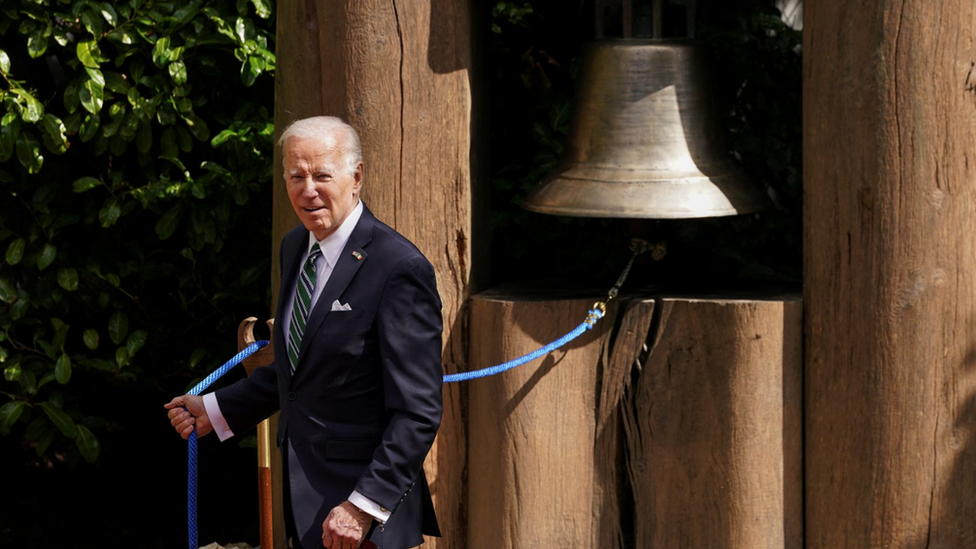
x,y
400,73
890,273
266,470
712,424
530,481
675,425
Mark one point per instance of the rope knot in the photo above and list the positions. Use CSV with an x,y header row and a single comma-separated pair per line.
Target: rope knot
x,y
596,313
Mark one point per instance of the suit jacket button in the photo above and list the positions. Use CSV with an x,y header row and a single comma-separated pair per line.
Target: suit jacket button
x,y
292,396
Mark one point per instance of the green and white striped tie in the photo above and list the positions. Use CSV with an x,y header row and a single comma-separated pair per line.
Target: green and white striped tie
x,y
303,303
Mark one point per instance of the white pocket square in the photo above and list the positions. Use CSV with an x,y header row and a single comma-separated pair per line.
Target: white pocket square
x,y
336,306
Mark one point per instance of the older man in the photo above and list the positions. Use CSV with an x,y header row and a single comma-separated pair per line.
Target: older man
x,y
357,369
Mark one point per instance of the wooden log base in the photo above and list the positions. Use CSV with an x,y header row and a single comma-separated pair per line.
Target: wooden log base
x,y
675,423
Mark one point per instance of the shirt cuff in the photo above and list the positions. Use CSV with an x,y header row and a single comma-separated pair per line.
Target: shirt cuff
x,y
216,418
369,507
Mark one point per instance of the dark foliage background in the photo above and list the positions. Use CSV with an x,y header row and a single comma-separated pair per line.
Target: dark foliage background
x,y
135,158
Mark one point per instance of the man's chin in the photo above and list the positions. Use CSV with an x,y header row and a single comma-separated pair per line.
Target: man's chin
x,y
320,228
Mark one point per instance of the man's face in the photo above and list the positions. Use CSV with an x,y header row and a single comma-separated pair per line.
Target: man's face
x,y
321,187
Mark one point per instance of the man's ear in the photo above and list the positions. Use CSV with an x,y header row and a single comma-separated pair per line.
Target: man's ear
x,y
358,177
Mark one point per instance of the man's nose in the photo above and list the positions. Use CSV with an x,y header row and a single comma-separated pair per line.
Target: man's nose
x,y
308,189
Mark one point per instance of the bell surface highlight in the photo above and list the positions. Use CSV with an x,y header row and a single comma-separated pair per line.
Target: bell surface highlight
x,y
643,141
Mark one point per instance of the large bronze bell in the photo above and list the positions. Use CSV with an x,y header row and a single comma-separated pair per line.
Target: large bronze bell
x,y
643,141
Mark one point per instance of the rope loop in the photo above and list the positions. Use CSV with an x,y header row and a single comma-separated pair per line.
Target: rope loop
x,y
191,475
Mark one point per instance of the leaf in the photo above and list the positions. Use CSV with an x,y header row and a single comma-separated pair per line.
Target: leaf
x,y
47,348
177,71
62,369
87,444
87,52
241,28
103,365
122,357
60,332
135,341
29,152
118,327
86,183
48,253
19,307
262,8
8,294
9,132
37,43
15,252
110,212
161,52
92,93
61,37
9,414
222,138
45,379
54,134
168,222
108,13
92,22
198,128
13,372
91,339
44,442
60,419
183,139
114,82
68,278
72,94
250,70
37,427
89,127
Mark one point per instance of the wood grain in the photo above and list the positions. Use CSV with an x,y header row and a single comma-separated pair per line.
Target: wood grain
x,y
889,105
674,424
531,429
712,426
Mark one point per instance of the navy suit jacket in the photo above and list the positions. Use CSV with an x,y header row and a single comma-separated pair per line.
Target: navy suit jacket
x,y
361,411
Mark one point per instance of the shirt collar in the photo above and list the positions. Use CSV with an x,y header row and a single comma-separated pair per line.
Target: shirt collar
x,y
333,244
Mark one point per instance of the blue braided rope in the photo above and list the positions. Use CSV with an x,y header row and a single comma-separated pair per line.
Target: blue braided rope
x,y
191,487
191,477
595,314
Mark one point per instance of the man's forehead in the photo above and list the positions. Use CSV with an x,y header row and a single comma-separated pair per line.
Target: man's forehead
x,y
315,155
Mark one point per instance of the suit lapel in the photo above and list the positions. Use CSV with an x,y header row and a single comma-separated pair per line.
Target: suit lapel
x,y
346,268
293,252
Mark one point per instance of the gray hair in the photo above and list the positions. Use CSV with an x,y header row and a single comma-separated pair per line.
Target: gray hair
x,y
320,126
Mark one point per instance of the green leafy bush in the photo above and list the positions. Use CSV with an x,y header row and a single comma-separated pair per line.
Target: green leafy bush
x,y
135,169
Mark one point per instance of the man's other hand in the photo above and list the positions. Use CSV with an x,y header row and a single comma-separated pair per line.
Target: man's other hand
x,y
194,414
345,527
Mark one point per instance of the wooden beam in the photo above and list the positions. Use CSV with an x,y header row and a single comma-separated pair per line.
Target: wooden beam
x,y
400,73
889,104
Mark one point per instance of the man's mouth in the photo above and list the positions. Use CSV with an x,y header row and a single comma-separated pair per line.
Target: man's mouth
x,y
314,209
